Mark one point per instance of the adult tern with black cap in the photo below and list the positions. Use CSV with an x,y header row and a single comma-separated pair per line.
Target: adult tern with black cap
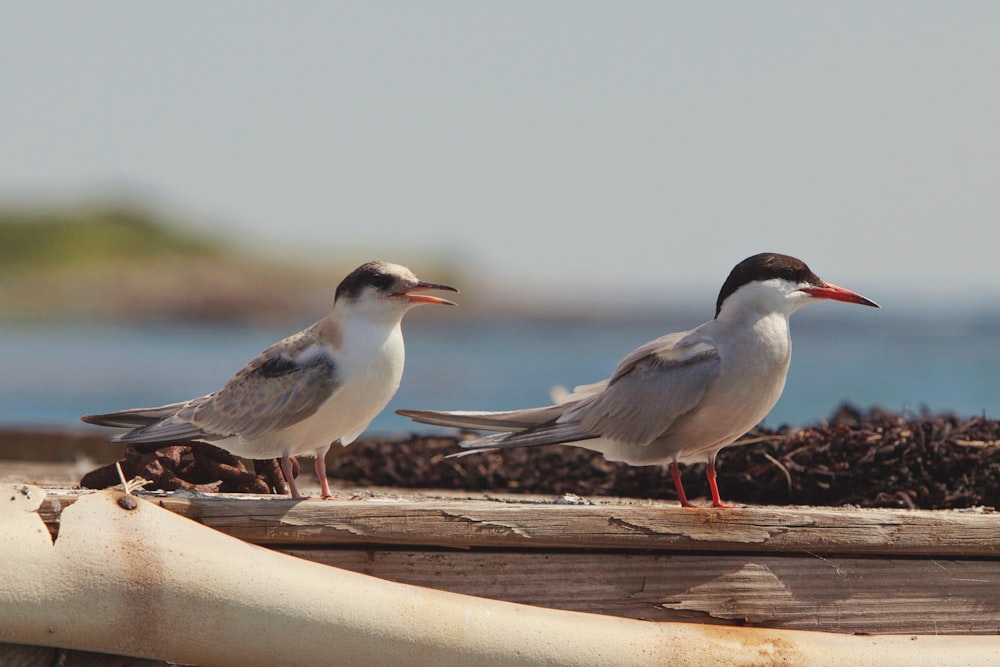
x,y
322,385
682,397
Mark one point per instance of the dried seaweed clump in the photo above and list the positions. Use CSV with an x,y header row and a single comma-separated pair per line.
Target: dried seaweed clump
x,y
868,458
194,467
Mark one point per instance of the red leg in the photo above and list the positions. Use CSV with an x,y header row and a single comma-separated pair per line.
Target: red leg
x,y
321,473
675,472
716,499
286,468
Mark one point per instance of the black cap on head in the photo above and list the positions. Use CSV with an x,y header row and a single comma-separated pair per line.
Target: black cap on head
x,y
765,266
369,274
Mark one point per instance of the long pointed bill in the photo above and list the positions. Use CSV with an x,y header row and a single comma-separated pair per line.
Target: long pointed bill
x,y
427,298
828,291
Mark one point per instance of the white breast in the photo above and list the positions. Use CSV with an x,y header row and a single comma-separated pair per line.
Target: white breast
x,y
369,366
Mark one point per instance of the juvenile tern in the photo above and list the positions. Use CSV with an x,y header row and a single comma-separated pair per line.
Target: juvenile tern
x,y
322,385
684,396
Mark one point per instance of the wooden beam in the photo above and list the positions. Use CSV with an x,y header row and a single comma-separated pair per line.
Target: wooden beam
x,y
832,569
849,595
429,521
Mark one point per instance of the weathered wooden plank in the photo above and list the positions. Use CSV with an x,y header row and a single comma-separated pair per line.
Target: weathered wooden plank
x,y
876,595
463,523
836,570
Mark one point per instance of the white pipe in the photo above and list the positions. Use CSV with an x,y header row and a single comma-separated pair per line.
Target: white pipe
x,y
147,582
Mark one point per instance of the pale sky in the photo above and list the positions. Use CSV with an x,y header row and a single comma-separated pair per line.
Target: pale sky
x,y
603,145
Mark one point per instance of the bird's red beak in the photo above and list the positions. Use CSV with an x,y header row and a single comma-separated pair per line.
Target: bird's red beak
x,y
427,298
828,291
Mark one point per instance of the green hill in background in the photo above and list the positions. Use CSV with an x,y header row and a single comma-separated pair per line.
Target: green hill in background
x,y
124,262
71,239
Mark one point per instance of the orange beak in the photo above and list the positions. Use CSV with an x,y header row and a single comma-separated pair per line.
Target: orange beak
x,y
828,291
426,298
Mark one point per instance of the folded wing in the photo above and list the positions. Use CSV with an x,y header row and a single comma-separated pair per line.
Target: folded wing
x,y
272,392
652,388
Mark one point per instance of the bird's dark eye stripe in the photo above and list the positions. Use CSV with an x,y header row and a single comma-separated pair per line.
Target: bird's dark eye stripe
x,y
382,281
372,274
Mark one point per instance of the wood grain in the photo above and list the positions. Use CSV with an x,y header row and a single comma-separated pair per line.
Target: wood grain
x,y
463,523
830,569
915,595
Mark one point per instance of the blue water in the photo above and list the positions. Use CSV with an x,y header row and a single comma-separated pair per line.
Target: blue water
x,y
53,374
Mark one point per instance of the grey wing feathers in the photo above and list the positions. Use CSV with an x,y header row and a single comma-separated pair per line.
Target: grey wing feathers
x,y
133,418
171,429
511,420
649,393
266,398
653,387
271,392
664,344
547,434
519,428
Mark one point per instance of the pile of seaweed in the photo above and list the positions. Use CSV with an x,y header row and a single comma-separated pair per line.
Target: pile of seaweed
x,y
870,458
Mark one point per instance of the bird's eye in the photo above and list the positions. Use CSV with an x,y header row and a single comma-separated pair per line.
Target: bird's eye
x,y
382,281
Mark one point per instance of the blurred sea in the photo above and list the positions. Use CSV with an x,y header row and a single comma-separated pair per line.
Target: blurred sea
x,y
52,374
